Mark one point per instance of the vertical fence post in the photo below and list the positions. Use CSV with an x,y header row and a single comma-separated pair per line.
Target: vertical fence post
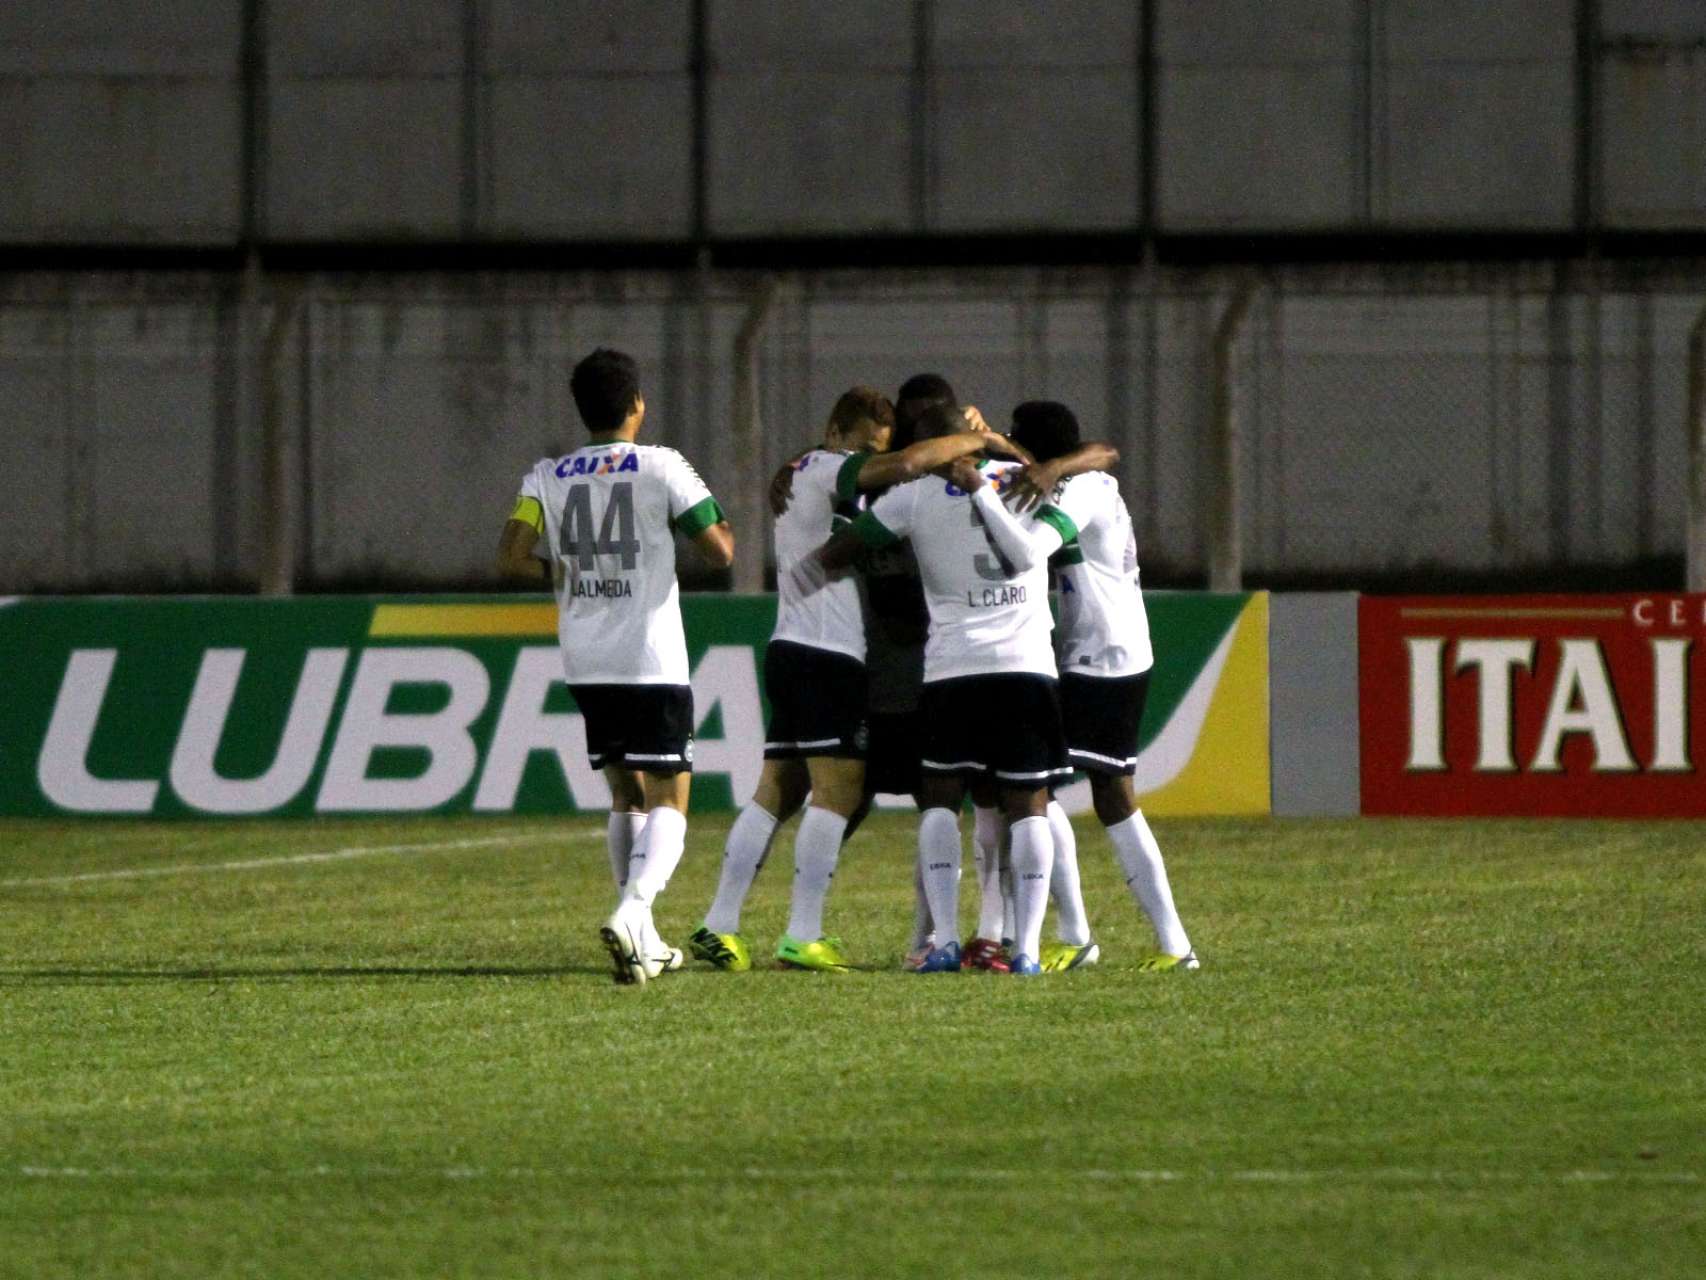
x,y
747,498
279,495
1226,500
1697,454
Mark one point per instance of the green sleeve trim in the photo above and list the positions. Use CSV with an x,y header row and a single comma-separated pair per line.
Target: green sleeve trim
x,y
1072,553
1058,520
847,479
873,532
699,517
530,513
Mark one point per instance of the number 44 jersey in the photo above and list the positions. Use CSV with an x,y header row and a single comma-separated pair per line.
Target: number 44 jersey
x,y
611,512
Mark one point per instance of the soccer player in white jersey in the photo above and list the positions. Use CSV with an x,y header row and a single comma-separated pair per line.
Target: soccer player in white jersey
x,y
1105,660
608,514
990,705
814,678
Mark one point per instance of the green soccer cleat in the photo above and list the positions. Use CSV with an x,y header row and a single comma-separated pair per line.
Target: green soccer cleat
x,y
824,954
1058,957
1163,963
725,950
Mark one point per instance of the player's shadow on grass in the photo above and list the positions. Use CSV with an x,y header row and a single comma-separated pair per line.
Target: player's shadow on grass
x,y
297,973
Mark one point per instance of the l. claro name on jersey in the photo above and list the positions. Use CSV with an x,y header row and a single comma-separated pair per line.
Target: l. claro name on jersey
x,y
995,597
601,588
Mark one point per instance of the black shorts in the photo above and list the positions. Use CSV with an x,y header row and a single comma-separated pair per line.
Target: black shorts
x,y
1004,727
817,703
647,727
1102,715
891,763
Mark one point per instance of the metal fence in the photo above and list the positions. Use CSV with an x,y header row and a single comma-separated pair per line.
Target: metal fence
x,y
196,431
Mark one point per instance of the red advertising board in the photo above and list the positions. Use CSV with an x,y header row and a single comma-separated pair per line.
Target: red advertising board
x,y
1533,705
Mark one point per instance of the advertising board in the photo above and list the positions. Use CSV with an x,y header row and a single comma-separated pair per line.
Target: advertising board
x,y
1533,705
240,707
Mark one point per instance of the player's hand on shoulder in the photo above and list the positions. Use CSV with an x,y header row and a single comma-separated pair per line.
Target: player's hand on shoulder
x,y
1004,447
1030,487
782,485
963,474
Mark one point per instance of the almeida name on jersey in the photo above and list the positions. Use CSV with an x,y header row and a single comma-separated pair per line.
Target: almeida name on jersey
x,y
608,512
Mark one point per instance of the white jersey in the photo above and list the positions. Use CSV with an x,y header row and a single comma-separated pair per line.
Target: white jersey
x,y
609,512
1104,630
824,492
983,620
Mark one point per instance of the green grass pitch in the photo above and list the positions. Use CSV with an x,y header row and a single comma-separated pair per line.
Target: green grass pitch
x,y
1414,1049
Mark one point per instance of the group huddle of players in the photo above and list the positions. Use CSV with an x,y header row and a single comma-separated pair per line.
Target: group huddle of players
x,y
914,653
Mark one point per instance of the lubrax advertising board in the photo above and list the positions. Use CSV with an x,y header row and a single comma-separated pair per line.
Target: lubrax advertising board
x,y
347,705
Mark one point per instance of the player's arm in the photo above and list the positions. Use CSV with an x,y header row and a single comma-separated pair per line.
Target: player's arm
x,y
716,543
516,561
1019,548
1032,486
782,484
864,472
874,529
694,513
704,525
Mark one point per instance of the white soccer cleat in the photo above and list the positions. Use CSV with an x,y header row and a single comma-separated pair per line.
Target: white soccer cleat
x,y
660,956
624,938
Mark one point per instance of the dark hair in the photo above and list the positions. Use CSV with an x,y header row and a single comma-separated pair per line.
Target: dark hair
x,y
605,385
938,420
860,404
1046,427
919,392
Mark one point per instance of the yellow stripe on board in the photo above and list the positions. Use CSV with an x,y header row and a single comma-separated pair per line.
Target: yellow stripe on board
x,y
463,620
1230,772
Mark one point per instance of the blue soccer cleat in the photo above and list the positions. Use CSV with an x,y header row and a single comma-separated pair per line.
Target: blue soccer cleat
x,y
941,960
1025,967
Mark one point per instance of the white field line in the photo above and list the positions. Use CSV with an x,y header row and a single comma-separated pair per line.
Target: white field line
x,y
938,1175
330,855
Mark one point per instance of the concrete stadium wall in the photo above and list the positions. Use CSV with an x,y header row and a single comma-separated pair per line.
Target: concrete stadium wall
x,y
209,122
1388,430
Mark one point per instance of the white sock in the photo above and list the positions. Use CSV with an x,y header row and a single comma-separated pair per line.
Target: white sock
x,y
1146,876
1031,850
1073,925
923,927
939,861
620,833
987,830
817,848
656,854
743,854
1009,930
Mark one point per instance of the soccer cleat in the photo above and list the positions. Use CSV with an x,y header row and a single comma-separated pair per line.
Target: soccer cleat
x,y
944,959
1025,967
986,954
823,955
918,955
725,950
1058,957
1163,963
660,956
623,934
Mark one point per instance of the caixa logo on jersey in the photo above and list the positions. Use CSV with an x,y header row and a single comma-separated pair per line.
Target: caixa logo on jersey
x,y
1565,705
